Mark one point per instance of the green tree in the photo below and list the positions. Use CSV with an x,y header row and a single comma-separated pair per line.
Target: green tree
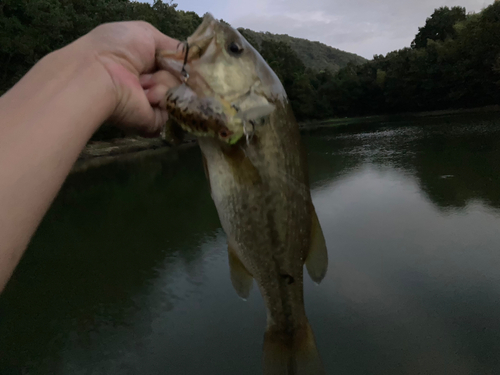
x,y
453,62
293,75
439,26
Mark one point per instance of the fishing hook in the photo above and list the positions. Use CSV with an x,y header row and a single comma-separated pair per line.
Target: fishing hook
x,y
184,73
248,134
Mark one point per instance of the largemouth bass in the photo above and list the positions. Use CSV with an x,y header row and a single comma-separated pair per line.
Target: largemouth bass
x,y
257,171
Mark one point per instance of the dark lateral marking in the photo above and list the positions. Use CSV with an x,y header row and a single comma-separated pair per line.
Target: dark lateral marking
x,y
289,279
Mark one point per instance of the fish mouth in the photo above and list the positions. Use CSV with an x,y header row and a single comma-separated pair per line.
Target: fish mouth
x,y
202,37
182,64
177,62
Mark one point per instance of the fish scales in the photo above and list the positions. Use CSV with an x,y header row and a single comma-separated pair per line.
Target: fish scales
x,y
258,182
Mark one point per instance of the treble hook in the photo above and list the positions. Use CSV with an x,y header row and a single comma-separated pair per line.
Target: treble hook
x,y
248,134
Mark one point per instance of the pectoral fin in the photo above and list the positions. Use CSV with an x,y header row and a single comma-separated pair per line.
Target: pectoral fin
x,y
240,277
207,173
317,259
242,168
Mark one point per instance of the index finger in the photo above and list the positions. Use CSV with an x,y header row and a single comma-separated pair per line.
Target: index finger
x,y
163,41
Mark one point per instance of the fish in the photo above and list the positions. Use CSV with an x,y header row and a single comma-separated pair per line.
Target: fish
x,y
256,167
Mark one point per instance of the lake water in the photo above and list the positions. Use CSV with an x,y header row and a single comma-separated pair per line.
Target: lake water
x,y
128,273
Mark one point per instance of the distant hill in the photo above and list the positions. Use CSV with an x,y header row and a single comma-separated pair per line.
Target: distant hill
x,y
314,55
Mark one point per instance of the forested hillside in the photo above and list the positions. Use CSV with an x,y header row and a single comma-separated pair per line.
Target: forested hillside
x,y
454,61
314,55
29,29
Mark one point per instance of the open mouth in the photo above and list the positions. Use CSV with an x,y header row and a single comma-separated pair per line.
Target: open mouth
x,y
182,62
198,109
196,106
177,62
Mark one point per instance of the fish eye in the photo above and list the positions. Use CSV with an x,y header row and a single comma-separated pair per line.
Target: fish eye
x,y
235,48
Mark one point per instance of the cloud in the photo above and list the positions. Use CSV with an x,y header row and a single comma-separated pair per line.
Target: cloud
x,y
364,27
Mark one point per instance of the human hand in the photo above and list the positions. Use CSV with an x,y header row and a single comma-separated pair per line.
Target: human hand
x,y
127,52
49,115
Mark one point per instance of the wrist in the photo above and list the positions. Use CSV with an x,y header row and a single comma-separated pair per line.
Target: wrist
x,y
78,67
69,83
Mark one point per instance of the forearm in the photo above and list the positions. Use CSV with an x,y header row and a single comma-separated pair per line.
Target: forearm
x,y
46,120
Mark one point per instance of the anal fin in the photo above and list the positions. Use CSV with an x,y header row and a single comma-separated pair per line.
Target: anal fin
x,y
241,279
317,258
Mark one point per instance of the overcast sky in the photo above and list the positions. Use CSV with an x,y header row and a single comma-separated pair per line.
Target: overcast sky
x,y
365,27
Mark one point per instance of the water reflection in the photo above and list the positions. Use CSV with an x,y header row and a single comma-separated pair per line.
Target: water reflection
x,y
409,290
97,257
414,290
455,159
128,273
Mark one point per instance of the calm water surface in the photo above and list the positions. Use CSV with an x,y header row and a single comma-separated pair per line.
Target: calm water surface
x,y
128,273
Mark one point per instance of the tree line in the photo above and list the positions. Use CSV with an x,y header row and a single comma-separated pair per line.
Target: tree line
x,y
315,55
453,62
30,29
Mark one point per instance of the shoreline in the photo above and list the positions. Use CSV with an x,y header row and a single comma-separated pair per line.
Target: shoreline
x,y
100,153
312,125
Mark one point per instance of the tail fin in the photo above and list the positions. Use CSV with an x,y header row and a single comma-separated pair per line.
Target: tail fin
x,y
291,353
